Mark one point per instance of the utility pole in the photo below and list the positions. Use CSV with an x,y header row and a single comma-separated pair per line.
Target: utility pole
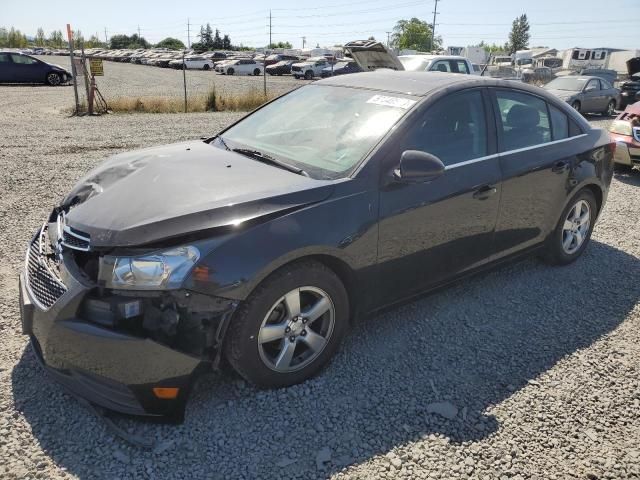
x,y
188,34
264,62
433,27
388,39
139,35
304,42
106,39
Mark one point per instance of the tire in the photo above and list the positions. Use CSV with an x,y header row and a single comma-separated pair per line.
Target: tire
x,y
611,109
231,71
256,72
206,66
308,75
619,167
576,106
556,250
255,357
53,79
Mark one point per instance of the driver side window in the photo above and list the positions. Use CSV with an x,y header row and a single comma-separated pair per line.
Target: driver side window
x,y
454,129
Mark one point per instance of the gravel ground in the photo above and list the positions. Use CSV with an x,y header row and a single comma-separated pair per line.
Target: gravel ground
x,y
524,372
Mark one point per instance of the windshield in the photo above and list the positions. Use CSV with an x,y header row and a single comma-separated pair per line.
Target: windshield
x,y
569,84
415,64
326,131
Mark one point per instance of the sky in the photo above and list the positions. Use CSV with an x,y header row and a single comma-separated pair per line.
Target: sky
x,y
555,23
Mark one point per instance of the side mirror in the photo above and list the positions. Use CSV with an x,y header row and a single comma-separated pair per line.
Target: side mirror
x,y
418,167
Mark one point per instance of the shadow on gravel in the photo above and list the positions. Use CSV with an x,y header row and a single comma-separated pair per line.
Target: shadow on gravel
x,y
629,178
473,345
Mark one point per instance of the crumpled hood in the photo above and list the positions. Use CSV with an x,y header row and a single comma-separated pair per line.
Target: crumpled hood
x,y
141,197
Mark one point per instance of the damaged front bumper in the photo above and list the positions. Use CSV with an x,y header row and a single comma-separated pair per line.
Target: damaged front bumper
x,y
137,354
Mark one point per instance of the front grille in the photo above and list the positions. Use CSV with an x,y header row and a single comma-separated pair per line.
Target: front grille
x,y
72,238
42,271
636,133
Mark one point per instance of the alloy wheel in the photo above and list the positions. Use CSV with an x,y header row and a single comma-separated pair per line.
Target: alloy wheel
x,y
611,109
296,329
576,227
53,79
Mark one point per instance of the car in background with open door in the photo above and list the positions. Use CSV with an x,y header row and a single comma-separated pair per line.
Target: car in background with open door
x,y
20,68
630,89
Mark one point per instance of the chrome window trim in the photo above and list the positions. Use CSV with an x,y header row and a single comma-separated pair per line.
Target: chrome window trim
x,y
509,152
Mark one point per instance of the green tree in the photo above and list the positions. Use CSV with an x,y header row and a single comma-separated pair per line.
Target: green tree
x,y
16,39
519,36
171,43
126,41
4,37
206,39
56,40
217,40
285,45
415,34
491,48
94,42
40,38
226,43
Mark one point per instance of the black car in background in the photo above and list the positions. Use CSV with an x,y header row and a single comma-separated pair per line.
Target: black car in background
x,y
281,68
279,57
263,244
20,68
630,90
341,68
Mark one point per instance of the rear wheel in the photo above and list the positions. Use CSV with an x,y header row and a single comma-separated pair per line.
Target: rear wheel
x,y
231,71
576,105
206,66
573,232
256,72
53,79
289,327
619,167
611,109
308,75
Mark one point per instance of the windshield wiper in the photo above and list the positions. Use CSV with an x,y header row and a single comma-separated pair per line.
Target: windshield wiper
x,y
263,157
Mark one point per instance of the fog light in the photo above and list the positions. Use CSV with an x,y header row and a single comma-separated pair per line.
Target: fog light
x,y
166,393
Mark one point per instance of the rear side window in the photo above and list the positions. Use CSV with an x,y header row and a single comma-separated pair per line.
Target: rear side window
x,y
461,66
454,129
23,59
559,123
4,58
524,120
441,66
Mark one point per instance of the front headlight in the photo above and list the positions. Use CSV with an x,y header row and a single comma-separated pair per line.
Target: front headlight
x,y
154,271
620,127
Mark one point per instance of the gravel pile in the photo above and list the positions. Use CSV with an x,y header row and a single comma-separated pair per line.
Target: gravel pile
x,y
524,372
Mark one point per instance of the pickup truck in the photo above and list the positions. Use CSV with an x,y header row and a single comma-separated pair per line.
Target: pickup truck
x,y
372,55
309,68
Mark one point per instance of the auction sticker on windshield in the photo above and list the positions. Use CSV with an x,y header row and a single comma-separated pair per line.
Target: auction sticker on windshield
x,y
404,103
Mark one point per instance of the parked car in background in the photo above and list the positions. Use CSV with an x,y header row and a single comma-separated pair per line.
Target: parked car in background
x,y
630,89
625,131
585,94
264,244
279,57
343,67
372,55
309,69
281,68
245,66
19,68
192,63
537,74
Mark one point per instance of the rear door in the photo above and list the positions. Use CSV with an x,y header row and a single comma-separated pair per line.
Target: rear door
x,y
592,96
430,232
536,161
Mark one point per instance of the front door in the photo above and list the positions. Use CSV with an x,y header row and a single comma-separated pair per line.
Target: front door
x,y
429,232
592,101
27,69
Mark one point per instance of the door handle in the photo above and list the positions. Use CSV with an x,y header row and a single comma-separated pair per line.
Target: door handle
x,y
560,167
484,192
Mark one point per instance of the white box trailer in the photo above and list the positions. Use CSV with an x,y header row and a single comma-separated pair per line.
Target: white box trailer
x,y
618,60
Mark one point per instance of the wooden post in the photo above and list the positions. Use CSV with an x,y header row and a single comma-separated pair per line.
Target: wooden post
x,y
86,80
92,93
73,67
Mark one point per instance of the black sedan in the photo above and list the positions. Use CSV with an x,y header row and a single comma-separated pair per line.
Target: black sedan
x,y
263,244
341,68
19,68
281,68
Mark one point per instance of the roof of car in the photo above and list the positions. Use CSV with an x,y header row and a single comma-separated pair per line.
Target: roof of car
x,y
411,83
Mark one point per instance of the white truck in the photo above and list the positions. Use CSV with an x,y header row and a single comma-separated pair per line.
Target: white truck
x,y
309,69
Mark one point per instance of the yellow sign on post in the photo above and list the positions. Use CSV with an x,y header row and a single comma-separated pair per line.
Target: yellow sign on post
x,y
95,65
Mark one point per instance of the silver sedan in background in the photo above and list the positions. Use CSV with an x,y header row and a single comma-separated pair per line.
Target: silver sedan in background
x,y
586,94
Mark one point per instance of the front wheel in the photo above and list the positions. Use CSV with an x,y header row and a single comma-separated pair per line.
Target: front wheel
x,y
308,75
576,105
231,71
206,67
573,232
289,327
54,79
256,72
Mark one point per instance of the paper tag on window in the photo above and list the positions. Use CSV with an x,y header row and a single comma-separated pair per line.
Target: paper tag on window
x,y
404,103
